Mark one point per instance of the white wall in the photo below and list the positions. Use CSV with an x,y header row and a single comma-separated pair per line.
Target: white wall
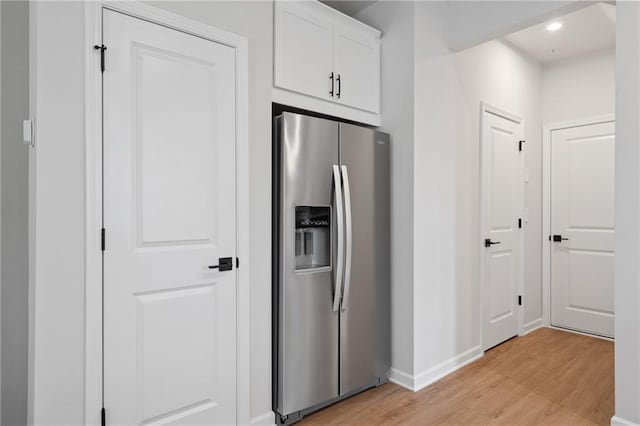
x,y
502,76
15,108
579,87
447,307
57,185
395,20
441,327
57,268
443,231
627,261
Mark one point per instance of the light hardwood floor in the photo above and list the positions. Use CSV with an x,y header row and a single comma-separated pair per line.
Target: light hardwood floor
x,y
548,377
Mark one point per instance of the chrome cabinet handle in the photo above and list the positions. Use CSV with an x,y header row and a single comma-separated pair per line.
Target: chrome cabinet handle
x,y
337,295
349,239
339,92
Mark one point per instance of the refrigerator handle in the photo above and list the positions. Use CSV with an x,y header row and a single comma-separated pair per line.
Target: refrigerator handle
x,y
349,235
337,296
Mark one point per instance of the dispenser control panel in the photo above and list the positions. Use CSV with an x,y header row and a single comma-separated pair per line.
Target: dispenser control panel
x,y
313,237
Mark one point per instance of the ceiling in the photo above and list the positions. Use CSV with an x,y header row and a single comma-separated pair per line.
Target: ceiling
x,y
348,7
586,30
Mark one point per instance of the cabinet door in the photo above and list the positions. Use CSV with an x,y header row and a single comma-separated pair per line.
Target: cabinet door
x,y
357,63
303,49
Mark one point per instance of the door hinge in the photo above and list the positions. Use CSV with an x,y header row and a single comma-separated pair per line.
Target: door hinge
x,y
519,300
519,223
103,239
102,49
237,262
520,143
103,417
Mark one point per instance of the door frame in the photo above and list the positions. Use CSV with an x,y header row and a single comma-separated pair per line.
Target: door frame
x,y
486,107
93,193
547,130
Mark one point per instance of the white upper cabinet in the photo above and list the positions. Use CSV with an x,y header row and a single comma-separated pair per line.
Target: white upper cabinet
x,y
357,66
326,61
304,46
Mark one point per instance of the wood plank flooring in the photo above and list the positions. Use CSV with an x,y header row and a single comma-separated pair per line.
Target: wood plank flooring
x,y
548,377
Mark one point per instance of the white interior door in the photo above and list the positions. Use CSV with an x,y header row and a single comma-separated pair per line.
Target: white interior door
x,y
583,227
169,213
502,206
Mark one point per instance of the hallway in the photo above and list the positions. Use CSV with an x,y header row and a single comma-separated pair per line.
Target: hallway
x,y
546,377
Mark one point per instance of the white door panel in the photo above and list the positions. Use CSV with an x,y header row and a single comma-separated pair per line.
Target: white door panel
x,y
169,213
304,49
501,275
357,67
582,213
501,209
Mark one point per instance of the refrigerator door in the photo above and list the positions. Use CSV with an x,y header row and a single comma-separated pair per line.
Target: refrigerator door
x,y
365,322
307,342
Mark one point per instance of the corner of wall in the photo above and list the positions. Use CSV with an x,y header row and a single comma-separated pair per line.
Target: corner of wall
x,y
396,20
619,421
267,418
627,273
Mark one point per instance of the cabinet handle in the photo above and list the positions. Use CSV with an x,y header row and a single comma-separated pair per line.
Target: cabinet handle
x,y
339,87
331,78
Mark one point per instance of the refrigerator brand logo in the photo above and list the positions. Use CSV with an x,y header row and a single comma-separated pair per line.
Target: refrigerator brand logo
x,y
381,142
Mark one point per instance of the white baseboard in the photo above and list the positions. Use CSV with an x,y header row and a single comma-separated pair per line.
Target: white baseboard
x,y
267,418
433,374
437,372
401,378
619,421
568,330
532,326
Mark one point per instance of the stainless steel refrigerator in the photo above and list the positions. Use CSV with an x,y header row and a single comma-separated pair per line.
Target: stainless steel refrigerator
x,y
331,262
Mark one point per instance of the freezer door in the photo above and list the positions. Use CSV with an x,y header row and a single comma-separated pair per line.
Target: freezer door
x,y
365,322
307,330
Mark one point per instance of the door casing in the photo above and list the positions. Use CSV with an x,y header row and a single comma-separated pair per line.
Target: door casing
x,y
488,108
546,205
93,194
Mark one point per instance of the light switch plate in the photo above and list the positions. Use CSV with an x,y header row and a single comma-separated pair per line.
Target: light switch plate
x,y
27,133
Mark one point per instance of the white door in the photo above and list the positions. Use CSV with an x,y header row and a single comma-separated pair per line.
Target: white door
x,y
502,206
303,49
357,67
583,228
169,213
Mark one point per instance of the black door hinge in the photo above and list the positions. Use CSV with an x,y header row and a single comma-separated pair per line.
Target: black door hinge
x,y
102,49
519,142
237,262
103,417
519,223
519,300
103,239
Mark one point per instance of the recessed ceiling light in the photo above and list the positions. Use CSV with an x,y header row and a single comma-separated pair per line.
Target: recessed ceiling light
x,y
554,26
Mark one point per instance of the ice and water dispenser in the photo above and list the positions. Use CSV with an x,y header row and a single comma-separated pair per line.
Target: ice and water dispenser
x,y
313,237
